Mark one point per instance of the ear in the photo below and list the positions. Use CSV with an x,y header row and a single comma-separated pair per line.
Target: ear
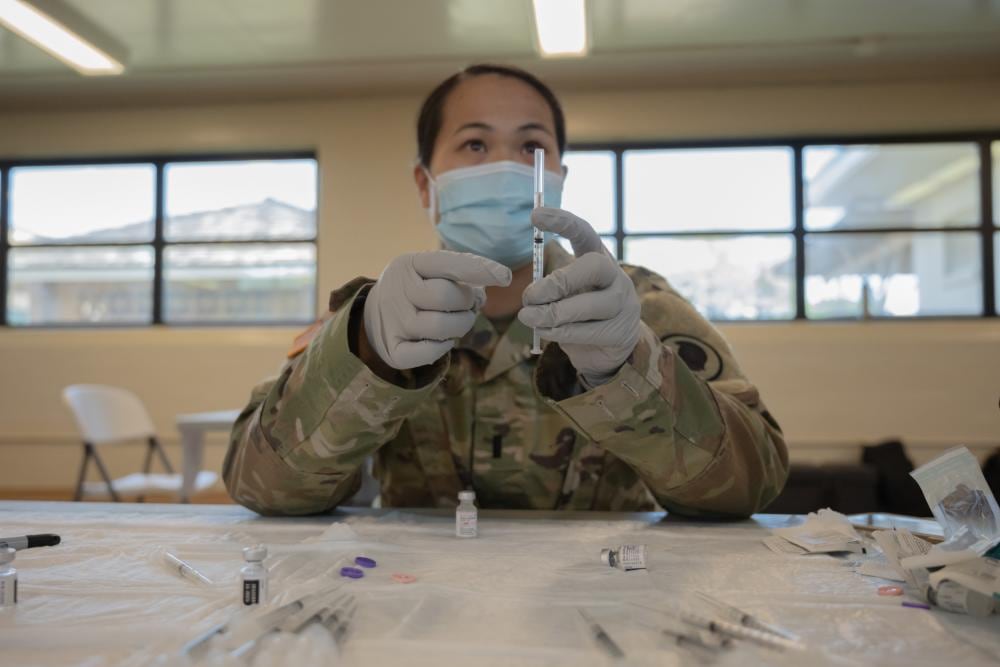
x,y
565,171
423,185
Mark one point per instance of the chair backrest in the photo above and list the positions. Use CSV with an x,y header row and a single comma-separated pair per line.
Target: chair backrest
x,y
108,414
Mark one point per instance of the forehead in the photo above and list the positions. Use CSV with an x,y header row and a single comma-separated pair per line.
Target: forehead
x,y
501,101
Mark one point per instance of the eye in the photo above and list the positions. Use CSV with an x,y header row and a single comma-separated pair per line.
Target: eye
x,y
475,145
530,146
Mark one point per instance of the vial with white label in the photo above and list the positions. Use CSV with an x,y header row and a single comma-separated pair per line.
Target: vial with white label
x,y
466,516
8,578
253,575
956,598
625,557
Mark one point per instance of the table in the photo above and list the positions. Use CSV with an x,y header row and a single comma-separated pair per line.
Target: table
x,y
193,427
507,597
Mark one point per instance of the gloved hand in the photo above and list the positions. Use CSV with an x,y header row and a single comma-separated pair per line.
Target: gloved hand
x,y
423,301
589,307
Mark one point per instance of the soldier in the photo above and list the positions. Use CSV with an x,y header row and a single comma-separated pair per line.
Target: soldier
x,y
635,402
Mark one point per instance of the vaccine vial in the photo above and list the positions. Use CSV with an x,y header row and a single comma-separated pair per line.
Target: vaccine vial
x,y
625,557
8,578
253,575
956,598
466,516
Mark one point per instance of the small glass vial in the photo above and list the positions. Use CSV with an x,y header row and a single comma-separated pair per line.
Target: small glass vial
x,y
466,515
253,575
625,557
8,578
959,599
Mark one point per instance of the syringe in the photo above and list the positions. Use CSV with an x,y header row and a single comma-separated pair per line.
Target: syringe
x,y
538,237
183,568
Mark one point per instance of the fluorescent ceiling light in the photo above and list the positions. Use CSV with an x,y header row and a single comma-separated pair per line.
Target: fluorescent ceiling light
x,y
52,36
561,26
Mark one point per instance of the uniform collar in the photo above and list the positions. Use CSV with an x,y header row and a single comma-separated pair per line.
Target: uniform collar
x,y
503,352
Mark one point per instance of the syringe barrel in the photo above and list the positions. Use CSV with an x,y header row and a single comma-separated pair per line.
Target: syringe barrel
x,y
537,237
539,177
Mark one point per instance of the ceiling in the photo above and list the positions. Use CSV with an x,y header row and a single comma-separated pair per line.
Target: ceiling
x,y
197,50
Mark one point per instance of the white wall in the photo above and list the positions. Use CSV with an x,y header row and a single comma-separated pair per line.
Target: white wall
x,y
931,383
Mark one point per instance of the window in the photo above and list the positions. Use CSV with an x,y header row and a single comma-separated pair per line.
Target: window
x,y
806,230
81,244
887,219
703,217
136,242
589,192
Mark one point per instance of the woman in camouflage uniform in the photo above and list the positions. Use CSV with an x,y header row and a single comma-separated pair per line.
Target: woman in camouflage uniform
x,y
636,400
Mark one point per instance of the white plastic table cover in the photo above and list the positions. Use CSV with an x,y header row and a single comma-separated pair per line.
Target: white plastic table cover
x,y
508,597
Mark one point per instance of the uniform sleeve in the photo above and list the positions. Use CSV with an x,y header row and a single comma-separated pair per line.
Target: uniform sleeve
x,y
298,446
680,412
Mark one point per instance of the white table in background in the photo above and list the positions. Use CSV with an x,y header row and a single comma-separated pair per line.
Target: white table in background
x,y
193,427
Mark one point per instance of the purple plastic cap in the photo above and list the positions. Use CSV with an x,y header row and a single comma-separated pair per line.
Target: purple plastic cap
x,y
352,572
364,561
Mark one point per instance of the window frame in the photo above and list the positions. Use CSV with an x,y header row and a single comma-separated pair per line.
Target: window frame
x,y
985,228
158,243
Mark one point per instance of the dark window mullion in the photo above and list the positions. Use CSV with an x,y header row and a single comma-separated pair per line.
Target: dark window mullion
x,y
160,158
987,228
799,211
620,204
158,245
102,244
4,241
264,241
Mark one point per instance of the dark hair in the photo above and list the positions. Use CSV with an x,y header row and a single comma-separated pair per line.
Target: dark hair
x,y
431,112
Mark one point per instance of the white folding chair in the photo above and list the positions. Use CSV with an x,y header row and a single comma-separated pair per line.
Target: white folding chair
x,y
110,415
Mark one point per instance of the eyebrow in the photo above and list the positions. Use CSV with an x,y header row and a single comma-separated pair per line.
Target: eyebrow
x,y
490,128
534,126
475,126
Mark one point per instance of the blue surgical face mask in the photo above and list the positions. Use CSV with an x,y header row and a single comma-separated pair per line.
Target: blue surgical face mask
x,y
486,209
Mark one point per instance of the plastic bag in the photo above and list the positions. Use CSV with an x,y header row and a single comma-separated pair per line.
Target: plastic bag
x,y
960,499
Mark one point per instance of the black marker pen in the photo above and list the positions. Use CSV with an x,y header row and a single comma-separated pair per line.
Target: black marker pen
x,y
29,541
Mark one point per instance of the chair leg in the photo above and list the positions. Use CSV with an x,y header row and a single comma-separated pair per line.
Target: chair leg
x,y
78,495
149,456
145,467
106,476
155,444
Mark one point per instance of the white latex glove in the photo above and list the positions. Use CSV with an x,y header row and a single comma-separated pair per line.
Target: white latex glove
x,y
423,301
589,307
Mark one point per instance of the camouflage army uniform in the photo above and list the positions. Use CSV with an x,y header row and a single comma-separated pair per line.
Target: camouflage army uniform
x,y
679,425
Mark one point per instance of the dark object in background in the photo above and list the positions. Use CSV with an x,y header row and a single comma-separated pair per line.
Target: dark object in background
x,y
880,483
847,488
991,471
897,492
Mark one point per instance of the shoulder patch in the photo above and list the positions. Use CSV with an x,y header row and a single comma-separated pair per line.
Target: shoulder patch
x,y
703,359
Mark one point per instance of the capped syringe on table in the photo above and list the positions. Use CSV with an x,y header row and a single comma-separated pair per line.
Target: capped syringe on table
x,y
538,238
